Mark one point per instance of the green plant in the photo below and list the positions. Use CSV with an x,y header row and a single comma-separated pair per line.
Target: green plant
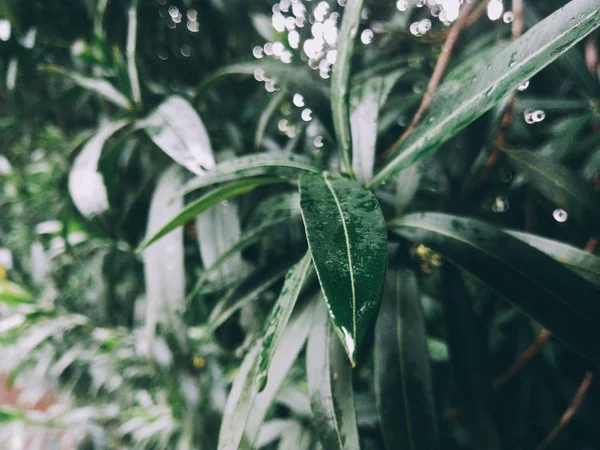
x,y
364,269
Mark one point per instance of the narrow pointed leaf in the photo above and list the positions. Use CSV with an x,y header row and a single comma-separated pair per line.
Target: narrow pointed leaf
x,y
86,184
177,130
284,166
279,317
13,294
348,243
559,184
583,263
246,409
266,116
329,377
467,360
531,280
340,79
403,389
206,202
454,107
97,85
164,262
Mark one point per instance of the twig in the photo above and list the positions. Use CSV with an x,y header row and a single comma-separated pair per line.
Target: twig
x,y
570,412
436,77
523,359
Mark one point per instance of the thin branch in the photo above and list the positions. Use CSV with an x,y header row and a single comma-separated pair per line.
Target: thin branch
x,y
436,77
570,412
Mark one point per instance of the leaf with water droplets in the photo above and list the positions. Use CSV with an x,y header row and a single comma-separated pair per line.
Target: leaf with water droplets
x,y
86,184
531,280
559,184
271,164
177,130
403,388
340,78
453,107
206,202
329,377
279,317
348,242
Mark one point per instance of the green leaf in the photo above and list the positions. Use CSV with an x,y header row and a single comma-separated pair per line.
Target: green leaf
x,y
264,27
266,116
583,263
348,242
132,72
164,262
340,79
283,166
245,292
177,130
97,85
403,388
86,184
13,294
279,317
246,409
531,280
206,202
329,377
11,415
560,185
473,384
438,350
455,106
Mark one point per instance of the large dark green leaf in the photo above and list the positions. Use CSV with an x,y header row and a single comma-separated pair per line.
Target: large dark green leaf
x,y
348,242
583,263
177,130
560,185
279,317
271,164
340,79
403,388
467,358
206,202
329,377
531,280
456,106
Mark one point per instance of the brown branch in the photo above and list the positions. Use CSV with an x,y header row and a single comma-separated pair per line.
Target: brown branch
x,y
523,359
436,77
570,412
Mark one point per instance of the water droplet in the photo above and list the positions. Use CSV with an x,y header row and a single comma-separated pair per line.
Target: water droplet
x,y
560,215
523,86
489,67
259,75
508,17
513,57
490,91
538,115
402,5
186,50
366,36
420,3
473,80
268,48
282,125
424,26
528,114
494,9
294,39
431,119
257,52
318,141
271,85
306,115
298,100
414,28
278,48
500,204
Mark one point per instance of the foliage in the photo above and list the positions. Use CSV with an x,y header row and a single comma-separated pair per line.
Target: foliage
x,y
191,262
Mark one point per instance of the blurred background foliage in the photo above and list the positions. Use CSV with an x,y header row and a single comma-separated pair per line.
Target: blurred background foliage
x,y
74,313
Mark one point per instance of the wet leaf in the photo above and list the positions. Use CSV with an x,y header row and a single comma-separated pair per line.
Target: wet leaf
x,y
329,377
97,85
271,164
340,79
206,202
583,263
531,280
560,185
403,388
86,184
455,106
348,243
177,130
279,317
